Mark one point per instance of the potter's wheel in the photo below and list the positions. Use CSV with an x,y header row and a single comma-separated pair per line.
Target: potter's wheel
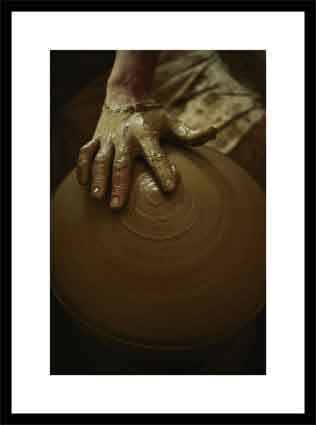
x,y
169,271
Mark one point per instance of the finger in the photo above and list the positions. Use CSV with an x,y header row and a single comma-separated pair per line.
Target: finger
x,y
85,158
101,170
185,135
159,163
121,177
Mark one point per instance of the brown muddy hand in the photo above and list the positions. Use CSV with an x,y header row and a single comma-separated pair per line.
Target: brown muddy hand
x,y
126,132
186,136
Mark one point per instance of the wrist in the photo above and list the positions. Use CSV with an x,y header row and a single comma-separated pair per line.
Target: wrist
x,y
128,90
131,77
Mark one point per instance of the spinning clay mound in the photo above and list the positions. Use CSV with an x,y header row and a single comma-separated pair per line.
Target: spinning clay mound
x,y
169,271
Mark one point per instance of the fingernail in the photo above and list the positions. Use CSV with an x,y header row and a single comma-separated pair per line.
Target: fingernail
x,y
115,202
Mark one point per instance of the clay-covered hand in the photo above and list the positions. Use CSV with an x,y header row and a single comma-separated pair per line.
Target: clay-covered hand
x,y
120,136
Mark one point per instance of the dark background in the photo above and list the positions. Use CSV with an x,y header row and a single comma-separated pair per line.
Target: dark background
x,y
71,70
74,351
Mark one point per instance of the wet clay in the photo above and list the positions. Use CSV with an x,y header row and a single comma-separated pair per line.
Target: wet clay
x,y
169,271
125,132
154,215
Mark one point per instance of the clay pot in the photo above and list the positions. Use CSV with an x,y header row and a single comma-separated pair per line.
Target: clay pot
x,y
169,272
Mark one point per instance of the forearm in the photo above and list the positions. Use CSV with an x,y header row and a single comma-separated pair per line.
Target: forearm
x,y
131,77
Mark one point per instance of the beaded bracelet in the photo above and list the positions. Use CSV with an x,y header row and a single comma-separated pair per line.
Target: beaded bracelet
x,y
132,108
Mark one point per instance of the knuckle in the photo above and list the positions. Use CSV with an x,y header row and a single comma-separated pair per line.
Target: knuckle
x,y
105,143
98,170
120,177
84,148
82,162
84,152
100,160
120,180
119,188
98,183
121,162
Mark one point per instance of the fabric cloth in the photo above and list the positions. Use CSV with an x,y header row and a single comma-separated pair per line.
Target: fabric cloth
x,y
196,87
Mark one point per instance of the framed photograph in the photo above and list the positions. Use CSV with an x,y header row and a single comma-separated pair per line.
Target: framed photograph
x,y
158,209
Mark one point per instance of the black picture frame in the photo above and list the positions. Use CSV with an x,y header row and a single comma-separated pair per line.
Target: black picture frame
x,y
308,7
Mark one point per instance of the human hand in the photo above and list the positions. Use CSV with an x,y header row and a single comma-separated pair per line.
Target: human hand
x,y
128,131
